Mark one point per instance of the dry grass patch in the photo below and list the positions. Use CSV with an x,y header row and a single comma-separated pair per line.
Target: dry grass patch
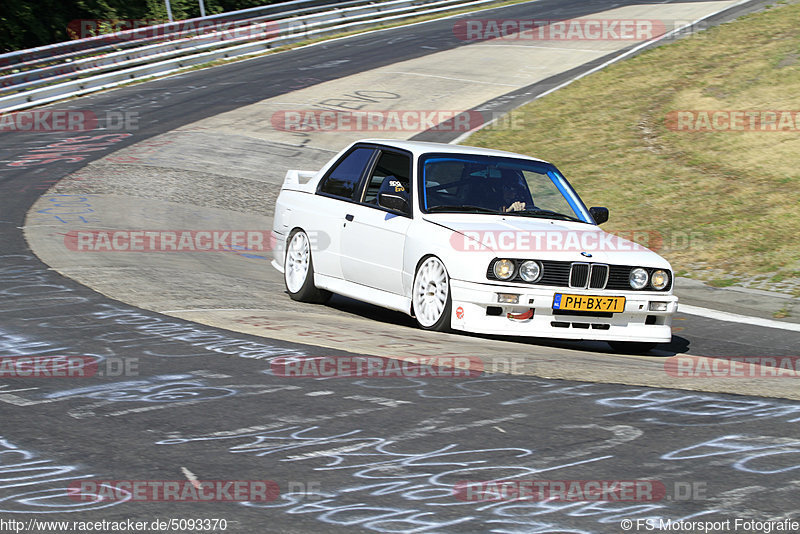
x,y
730,200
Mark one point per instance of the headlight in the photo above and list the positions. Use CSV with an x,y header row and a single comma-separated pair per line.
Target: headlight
x,y
503,269
659,279
530,271
638,278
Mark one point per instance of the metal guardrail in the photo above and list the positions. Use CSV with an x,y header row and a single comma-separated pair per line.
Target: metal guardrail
x,y
45,53
258,28
32,60
67,74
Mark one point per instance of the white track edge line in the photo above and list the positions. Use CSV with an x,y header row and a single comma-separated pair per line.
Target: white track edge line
x,y
736,318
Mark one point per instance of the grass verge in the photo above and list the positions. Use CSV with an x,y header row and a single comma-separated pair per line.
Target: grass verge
x,y
726,204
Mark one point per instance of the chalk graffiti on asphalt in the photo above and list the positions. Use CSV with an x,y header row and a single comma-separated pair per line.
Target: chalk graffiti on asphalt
x,y
30,484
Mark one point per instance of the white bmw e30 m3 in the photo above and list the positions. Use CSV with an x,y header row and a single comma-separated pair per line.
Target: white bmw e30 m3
x,y
469,239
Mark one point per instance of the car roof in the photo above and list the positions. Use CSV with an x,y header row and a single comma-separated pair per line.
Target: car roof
x,y
423,147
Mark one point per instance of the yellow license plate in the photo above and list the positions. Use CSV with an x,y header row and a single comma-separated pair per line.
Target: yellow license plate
x,y
588,303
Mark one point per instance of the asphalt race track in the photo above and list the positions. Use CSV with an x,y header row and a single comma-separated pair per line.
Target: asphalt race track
x,y
176,399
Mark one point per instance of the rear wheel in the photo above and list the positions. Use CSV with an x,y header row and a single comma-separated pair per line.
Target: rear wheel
x,y
431,295
632,347
298,271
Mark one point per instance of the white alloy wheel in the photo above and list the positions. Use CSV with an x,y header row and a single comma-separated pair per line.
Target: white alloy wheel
x,y
431,295
298,262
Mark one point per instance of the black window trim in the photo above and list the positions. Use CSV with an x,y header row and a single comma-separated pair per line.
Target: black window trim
x,y
424,157
366,173
360,180
371,168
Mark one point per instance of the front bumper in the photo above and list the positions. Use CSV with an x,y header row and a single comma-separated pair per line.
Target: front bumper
x,y
475,309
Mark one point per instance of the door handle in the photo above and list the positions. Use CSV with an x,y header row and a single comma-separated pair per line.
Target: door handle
x,y
349,217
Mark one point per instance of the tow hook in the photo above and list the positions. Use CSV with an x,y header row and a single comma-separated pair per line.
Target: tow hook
x,y
521,316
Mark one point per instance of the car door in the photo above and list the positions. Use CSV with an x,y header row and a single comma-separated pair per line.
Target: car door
x,y
373,238
334,199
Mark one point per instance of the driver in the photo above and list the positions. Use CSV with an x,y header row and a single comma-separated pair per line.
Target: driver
x,y
516,195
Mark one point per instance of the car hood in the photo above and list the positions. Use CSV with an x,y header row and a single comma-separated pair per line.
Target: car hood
x,y
539,238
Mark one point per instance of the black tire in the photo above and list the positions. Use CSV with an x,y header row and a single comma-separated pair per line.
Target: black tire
x,y
298,271
423,297
632,347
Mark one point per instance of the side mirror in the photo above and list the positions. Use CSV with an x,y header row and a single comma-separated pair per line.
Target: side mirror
x,y
600,215
394,202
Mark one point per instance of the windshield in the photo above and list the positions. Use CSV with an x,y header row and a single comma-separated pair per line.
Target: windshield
x,y
489,184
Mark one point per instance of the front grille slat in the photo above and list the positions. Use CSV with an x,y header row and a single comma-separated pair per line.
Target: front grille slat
x,y
579,275
599,276
618,277
590,275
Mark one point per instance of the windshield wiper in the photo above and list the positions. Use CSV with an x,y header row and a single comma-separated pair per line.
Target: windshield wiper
x,y
540,212
462,207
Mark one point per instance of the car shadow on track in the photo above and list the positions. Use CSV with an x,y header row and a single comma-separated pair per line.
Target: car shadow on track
x,y
677,345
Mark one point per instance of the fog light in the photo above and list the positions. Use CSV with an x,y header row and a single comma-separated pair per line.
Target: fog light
x,y
507,298
658,306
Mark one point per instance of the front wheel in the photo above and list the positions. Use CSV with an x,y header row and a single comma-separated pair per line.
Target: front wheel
x,y
431,295
298,271
632,347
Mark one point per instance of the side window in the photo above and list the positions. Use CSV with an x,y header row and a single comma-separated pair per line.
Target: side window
x,y
343,180
391,173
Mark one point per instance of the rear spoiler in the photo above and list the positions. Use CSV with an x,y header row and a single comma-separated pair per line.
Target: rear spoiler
x,y
298,180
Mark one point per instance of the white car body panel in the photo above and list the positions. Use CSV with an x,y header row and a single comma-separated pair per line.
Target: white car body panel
x,y
364,293
379,265
374,257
